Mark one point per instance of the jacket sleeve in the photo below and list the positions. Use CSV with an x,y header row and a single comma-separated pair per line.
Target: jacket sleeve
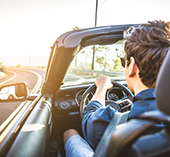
x,y
95,120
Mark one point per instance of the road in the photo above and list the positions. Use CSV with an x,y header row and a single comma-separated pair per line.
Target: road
x,y
33,77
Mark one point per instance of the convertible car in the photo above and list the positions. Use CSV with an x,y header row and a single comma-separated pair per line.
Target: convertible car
x,y
77,58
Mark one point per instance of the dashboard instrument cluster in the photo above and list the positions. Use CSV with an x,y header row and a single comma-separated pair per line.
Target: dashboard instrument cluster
x,y
68,100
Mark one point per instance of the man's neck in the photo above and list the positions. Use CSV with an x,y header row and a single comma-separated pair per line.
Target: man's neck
x,y
139,87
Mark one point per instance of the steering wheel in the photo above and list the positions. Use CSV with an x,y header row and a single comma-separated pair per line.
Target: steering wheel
x,y
117,105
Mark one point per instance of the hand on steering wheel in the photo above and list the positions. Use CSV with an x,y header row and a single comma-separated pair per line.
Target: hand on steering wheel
x,y
116,105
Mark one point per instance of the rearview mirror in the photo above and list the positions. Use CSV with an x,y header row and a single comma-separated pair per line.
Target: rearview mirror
x,y
14,92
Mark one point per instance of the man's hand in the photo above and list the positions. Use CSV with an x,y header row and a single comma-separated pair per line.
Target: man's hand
x,y
103,83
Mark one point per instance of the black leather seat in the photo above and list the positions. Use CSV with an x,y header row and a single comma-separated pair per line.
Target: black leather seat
x,y
149,134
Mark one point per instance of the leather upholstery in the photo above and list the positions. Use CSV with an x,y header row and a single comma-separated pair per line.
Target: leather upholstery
x,y
163,86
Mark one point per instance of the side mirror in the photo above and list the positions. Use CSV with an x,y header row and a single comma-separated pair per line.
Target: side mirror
x,y
14,92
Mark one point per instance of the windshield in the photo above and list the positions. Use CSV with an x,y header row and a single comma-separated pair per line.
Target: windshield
x,y
84,69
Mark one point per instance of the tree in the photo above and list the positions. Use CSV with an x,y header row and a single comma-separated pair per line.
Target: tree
x,y
119,52
103,64
102,61
76,27
19,66
117,63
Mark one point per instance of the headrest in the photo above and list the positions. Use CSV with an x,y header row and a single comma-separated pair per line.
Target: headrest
x,y
163,86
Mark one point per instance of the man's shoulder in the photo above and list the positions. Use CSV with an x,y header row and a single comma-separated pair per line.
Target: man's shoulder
x,y
143,102
145,95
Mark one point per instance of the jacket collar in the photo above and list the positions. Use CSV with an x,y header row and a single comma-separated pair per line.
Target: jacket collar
x,y
145,94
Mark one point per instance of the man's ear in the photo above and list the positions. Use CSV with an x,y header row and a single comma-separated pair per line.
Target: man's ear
x,y
132,67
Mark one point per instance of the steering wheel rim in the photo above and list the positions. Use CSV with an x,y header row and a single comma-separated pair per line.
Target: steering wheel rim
x,y
92,87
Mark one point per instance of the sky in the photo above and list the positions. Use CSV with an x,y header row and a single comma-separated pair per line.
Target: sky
x,y
29,27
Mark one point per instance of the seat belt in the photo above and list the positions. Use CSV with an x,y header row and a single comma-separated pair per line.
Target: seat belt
x,y
118,118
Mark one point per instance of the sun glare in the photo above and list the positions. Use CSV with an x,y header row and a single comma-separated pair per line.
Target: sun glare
x,y
29,28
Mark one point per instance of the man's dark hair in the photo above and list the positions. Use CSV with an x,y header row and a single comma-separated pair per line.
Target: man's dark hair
x,y
148,44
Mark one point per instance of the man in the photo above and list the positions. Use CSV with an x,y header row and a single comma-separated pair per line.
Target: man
x,y
145,49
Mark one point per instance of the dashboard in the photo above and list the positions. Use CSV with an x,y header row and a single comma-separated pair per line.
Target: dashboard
x,y
67,100
79,96
115,94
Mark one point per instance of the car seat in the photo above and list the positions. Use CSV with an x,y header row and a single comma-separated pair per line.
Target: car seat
x,y
147,135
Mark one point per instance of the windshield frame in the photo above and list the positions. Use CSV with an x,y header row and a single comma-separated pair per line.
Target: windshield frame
x,y
69,44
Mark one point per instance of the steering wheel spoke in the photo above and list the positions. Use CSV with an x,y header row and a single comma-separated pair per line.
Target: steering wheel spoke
x,y
124,104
